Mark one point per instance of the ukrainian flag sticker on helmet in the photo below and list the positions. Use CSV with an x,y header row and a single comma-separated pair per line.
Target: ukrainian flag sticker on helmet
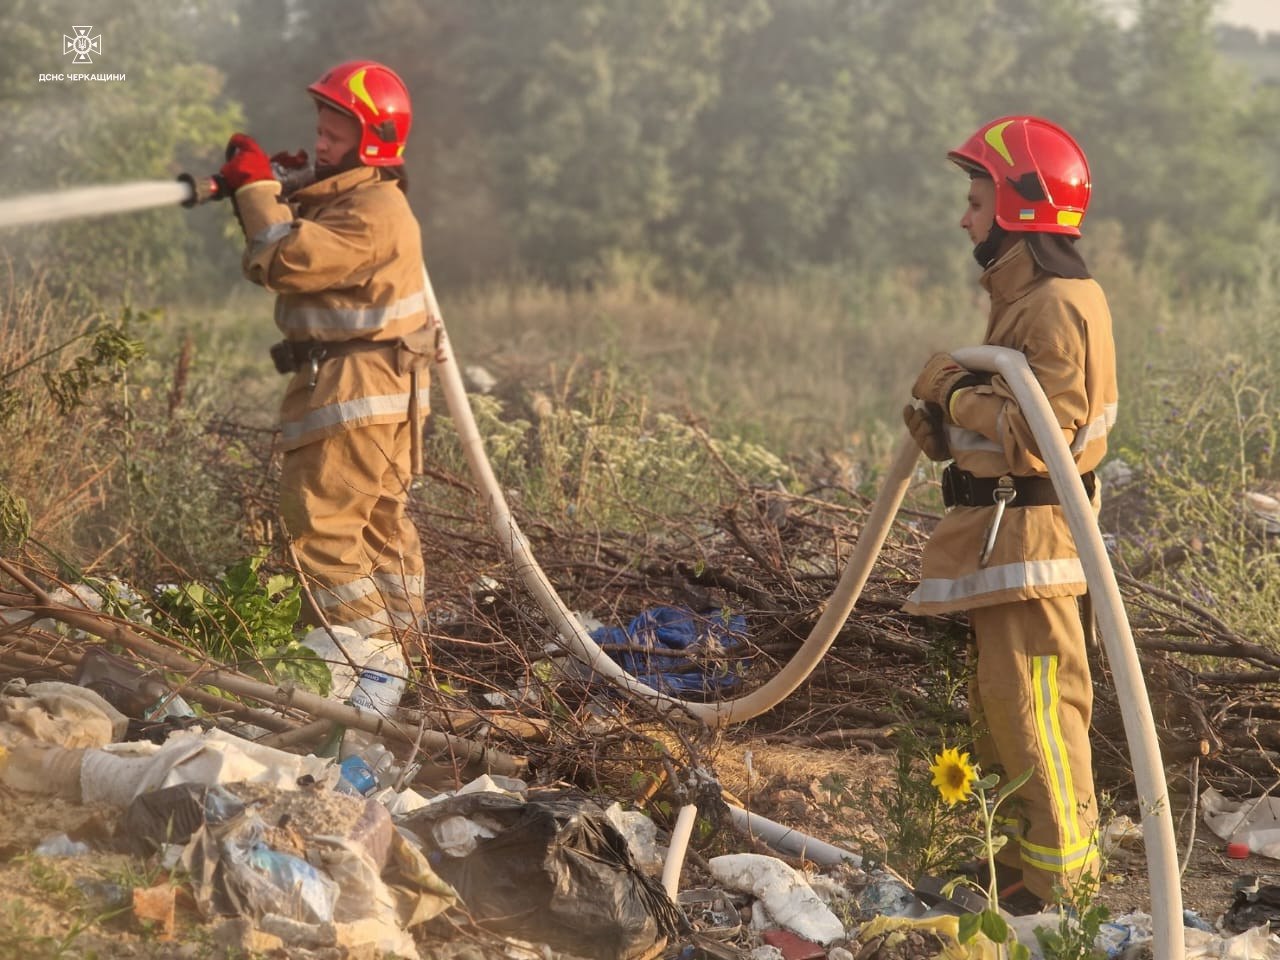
x,y
1026,214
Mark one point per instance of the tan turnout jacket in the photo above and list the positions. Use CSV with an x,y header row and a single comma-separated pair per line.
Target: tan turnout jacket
x,y
1063,327
345,256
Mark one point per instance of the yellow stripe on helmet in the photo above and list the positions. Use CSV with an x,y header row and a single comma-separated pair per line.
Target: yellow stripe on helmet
x,y
995,139
355,83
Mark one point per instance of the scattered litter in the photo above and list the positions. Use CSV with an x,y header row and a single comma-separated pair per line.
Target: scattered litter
x,y
793,947
343,650
60,845
933,936
1256,903
58,714
109,895
138,694
710,912
886,895
642,837
1119,833
1255,822
1255,944
782,890
157,905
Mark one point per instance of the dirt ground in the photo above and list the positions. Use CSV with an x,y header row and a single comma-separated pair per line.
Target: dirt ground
x,y
64,908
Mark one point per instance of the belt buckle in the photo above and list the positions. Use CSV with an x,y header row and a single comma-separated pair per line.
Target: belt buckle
x,y
950,486
1005,492
1003,495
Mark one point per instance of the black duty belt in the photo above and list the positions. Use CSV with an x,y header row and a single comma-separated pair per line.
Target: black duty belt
x,y
290,356
960,488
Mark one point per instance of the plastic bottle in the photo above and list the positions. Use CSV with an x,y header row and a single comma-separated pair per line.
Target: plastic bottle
x,y
357,779
381,761
379,686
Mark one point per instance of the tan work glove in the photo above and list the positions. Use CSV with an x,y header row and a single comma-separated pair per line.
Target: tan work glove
x,y
941,377
925,423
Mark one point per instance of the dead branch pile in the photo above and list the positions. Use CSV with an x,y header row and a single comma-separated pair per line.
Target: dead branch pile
x,y
493,687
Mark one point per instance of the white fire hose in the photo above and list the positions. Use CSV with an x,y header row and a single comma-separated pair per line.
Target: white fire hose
x,y
1144,748
1117,639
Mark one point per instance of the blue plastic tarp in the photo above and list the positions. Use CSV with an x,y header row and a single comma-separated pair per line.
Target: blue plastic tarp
x,y
720,643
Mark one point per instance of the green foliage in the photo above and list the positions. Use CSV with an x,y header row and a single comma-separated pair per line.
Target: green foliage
x,y
598,456
1079,924
112,349
246,617
1211,445
15,520
695,144
921,833
989,922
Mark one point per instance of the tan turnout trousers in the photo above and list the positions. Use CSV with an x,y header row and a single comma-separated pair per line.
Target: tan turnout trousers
x,y
1031,701
343,501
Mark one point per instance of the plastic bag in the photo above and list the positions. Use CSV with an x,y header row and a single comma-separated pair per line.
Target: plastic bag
x,y
557,871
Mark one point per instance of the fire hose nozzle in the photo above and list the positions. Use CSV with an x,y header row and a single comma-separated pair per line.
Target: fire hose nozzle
x,y
202,190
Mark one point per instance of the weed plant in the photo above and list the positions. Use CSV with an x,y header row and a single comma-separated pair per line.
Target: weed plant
x,y
596,455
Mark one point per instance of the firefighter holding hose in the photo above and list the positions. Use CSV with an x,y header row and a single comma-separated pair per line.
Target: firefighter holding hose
x,y
343,254
1003,552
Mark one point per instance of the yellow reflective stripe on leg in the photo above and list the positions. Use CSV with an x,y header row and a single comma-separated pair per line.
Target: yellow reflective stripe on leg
x,y
1044,674
1052,860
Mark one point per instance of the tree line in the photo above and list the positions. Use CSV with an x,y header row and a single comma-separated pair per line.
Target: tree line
x,y
688,144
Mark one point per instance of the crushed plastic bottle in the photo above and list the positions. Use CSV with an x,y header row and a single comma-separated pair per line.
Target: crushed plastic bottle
x,y
888,896
357,778
378,688
61,845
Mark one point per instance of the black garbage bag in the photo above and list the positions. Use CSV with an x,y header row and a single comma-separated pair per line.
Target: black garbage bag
x,y
173,815
556,872
1254,904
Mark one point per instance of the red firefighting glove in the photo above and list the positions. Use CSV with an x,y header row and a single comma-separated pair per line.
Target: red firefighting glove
x,y
246,163
285,160
940,378
925,423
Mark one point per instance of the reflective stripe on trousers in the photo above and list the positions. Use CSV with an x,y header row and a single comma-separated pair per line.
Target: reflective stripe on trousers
x,y
1031,700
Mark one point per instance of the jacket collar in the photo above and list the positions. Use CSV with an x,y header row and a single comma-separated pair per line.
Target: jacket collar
x,y
339,183
1012,276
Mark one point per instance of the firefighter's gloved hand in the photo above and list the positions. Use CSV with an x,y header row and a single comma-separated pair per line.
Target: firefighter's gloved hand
x,y
246,163
940,378
925,423
289,161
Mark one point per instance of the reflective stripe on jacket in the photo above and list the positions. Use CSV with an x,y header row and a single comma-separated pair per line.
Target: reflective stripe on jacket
x,y
344,256
1063,327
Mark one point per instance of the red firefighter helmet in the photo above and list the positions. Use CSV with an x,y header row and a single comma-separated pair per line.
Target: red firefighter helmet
x,y
1041,174
378,99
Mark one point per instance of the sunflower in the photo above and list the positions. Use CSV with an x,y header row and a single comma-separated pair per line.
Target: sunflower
x,y
953,775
